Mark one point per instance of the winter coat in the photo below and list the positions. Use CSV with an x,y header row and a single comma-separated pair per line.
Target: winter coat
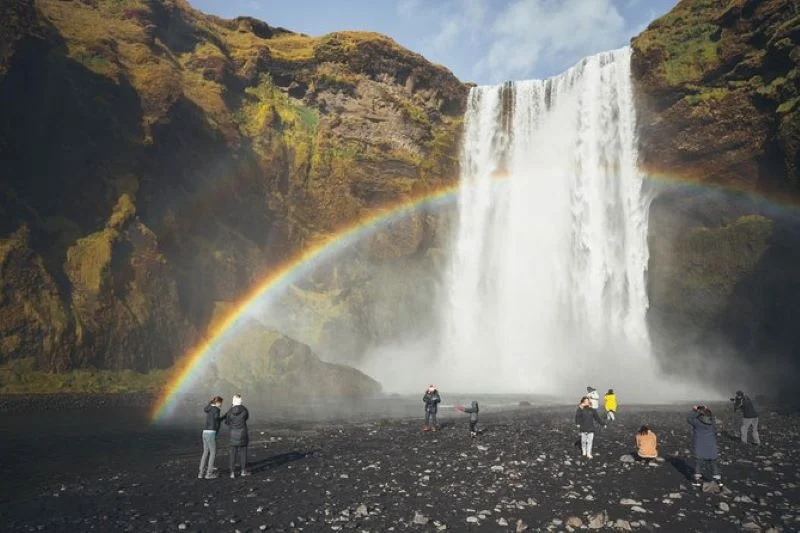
x,y
704,435
585,417
431,400
594,397
212,417
745,405
473,411
647,445
610,402
236,418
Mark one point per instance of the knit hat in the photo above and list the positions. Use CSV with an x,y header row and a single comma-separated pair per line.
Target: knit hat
x,y
237,400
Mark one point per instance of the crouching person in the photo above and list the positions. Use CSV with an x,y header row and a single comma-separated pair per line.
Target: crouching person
x,y
646,444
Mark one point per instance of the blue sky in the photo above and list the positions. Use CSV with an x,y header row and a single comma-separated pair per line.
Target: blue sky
x,y
485,41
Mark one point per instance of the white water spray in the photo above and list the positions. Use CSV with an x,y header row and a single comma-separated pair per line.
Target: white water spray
x,y
546,283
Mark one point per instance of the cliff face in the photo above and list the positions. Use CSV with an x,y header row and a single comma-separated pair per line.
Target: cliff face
x,y
159,160
720,107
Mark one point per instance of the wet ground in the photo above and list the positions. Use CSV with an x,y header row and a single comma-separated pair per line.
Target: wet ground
x,y
98,465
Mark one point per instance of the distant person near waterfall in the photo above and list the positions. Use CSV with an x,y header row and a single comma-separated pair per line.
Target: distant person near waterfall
x,y
704,438
236,418
610,404
585,417
472,410
594,397
209,456
747,417
431,401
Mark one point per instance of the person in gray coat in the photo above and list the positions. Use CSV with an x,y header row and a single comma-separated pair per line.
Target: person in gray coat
x,y
704,438
236,418
472,410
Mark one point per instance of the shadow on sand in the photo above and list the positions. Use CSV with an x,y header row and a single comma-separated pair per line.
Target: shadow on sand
x,y
681,466
278,460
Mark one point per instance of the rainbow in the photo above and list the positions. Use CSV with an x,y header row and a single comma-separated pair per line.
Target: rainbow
x,y
312,255
286,273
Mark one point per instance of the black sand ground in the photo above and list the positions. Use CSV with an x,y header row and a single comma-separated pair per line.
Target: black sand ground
x,y
103,468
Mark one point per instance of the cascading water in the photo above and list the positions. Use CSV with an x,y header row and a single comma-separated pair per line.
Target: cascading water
x,y
546,284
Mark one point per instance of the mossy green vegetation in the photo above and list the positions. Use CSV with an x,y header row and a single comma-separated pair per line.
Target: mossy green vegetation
x,y
23,376
713,257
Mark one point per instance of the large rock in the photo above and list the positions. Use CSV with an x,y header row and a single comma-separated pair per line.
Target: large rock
x,y
259,359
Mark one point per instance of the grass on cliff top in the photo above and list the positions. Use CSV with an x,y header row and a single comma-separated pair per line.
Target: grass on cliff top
x,y
22,377
687,37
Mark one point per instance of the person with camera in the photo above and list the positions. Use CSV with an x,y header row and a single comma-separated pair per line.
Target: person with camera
x,y
747,417
704,438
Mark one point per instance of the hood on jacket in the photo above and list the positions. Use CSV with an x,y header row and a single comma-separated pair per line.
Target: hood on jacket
x,y
209,407
706,418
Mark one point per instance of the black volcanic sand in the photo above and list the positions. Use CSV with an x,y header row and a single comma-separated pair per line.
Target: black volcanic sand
x,y
102,467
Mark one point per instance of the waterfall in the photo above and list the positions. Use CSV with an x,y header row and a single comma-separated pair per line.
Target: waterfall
x,y
545,287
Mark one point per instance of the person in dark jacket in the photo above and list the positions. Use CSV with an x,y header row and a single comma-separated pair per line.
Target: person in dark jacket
x,y
431,401
704,438
743,405
210,438
585,417
236,418
473,417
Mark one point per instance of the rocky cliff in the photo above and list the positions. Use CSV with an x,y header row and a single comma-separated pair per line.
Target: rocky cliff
x,y
719,111
158,161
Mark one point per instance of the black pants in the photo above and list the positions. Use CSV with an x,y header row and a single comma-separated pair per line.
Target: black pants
x,y
473,424
430,418
241,453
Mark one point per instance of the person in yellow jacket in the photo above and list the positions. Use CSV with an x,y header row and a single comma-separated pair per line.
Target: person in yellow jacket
x,y
610,405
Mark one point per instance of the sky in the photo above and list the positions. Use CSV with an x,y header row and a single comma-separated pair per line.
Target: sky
x,y
482,41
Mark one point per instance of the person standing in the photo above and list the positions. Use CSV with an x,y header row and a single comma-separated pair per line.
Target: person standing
x,y
585,417
594,397
704,438
610,404
472,410
749,416
431,399
213,420
236,418
736,424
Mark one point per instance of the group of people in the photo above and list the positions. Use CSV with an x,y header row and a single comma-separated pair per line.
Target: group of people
x,y
702,420
236,418
587,418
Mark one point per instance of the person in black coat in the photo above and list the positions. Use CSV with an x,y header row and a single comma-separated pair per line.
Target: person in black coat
x,y
585,417
210,430
236,419
704,438
431,401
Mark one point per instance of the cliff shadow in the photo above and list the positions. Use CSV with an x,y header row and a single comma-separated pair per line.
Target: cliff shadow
x,y
60,123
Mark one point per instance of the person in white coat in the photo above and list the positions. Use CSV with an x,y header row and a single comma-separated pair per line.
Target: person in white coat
x,y
594,397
